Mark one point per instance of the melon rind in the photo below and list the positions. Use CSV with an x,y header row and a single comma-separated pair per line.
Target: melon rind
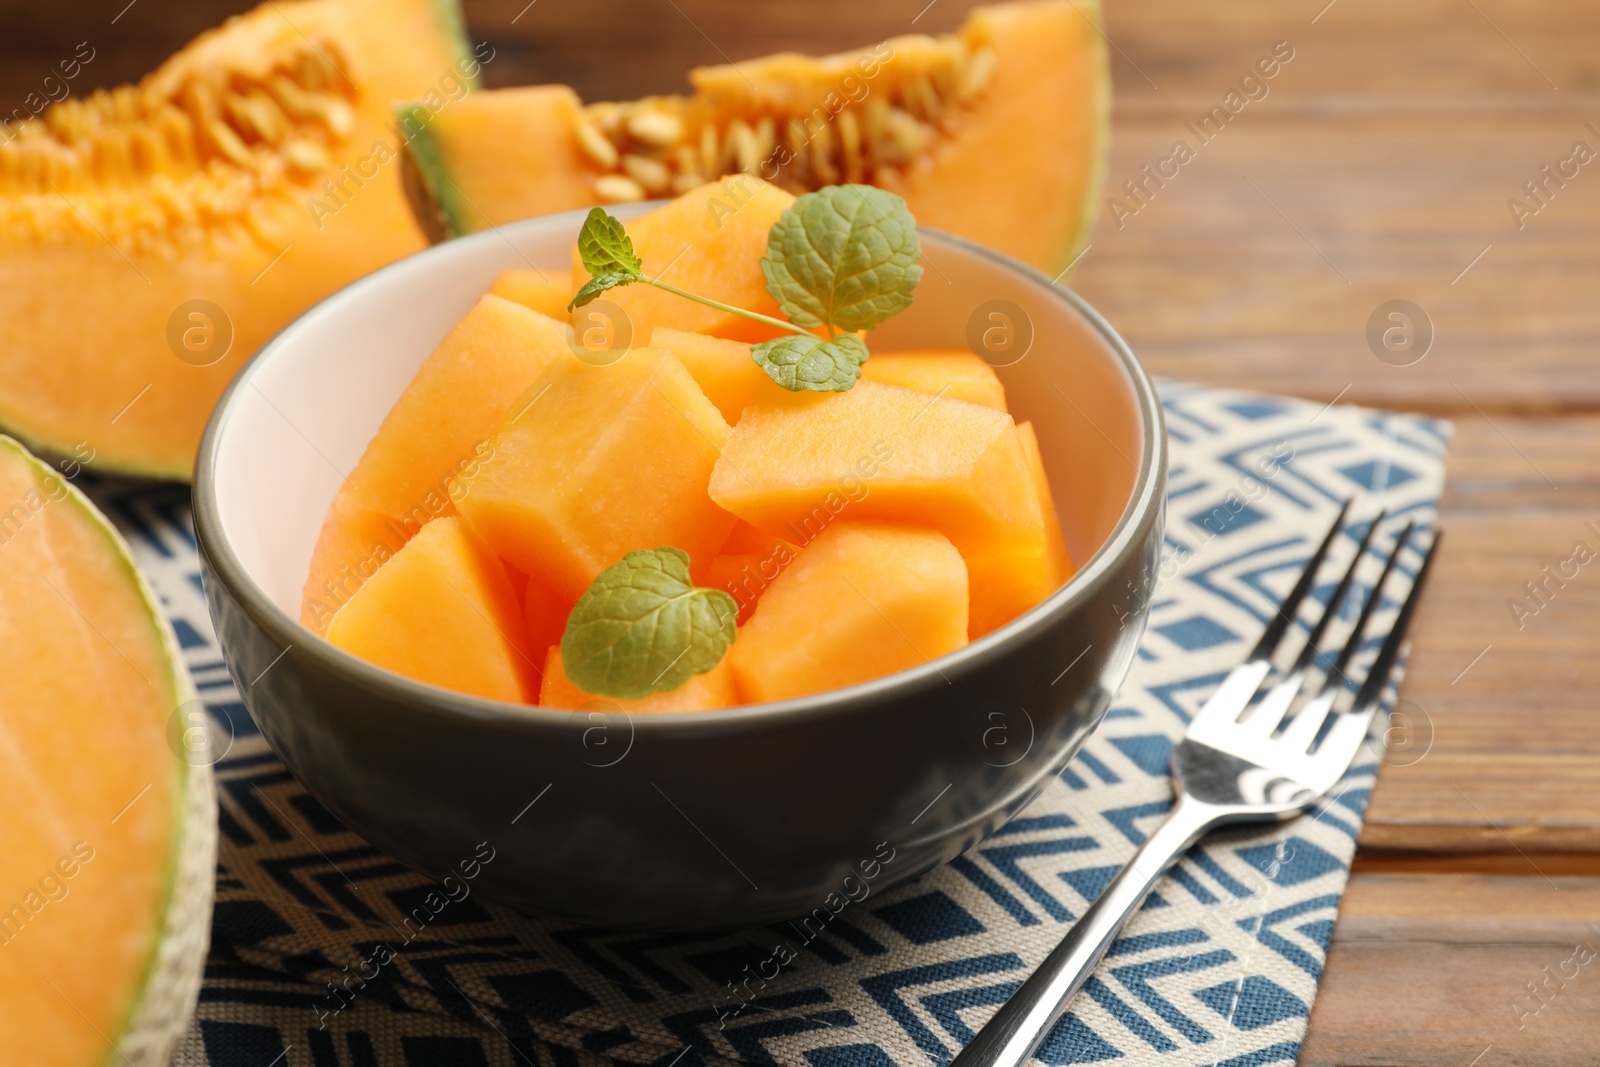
x,y
159,1012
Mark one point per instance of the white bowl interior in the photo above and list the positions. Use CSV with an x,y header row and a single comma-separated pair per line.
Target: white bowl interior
x,y
303,411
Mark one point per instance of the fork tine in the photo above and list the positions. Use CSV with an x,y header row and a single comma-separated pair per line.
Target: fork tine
x,y
1291,604
1350,728
1269,714
1308,723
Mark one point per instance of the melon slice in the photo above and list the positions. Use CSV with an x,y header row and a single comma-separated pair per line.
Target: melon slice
x,y
109,845
1004,584
862,601
152,237
702,692
881,452
955,373
709,241
996,132
546,291
595,462
442,611
433,437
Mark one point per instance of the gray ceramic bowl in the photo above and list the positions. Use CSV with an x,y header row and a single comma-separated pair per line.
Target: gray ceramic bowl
x,y
710,819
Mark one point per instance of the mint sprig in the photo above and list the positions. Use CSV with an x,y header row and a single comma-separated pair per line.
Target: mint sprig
x,y
644,627
843,257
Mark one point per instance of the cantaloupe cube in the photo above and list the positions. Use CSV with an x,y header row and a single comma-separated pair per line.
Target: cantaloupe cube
x,y
546,291
702,692
881,452
863,600
596,461
723,369
1005,584
442,611
431,438
747,575
710,242
950,372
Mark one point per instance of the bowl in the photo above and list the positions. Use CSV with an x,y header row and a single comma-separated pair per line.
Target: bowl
x,y
706,820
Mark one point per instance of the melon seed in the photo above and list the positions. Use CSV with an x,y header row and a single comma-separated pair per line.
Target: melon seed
x,y
595,145
618,189
656,128
652,174
978,75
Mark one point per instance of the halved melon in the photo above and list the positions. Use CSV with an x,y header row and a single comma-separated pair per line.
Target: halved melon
x,y
702,692
153,236
433,437
108,848
863,600
996,132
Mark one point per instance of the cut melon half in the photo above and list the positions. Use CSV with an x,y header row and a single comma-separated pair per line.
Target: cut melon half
x,y
996,132
153,236
108,850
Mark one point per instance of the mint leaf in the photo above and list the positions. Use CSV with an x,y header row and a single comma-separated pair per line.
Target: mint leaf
x,y
605,246
599,284
643,627
844,256
810,362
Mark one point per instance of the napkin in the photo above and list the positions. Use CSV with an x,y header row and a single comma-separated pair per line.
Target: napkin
x,y
310,964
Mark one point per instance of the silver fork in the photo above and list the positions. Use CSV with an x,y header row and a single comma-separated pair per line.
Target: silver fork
x,y
1233,765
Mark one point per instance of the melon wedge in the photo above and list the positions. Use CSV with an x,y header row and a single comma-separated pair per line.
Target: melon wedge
x,y
434,436
996,132
152,237
109,845
702,692
881,452
862,601
443,611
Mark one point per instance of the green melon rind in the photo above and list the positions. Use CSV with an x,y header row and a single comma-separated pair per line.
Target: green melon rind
x,y
435,198
1100,152
453,28
158,1015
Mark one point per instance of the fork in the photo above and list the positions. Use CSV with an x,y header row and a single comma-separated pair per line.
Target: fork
x,y
1236,763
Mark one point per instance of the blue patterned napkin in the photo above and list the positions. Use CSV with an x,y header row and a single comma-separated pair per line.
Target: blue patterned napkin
x,y
308,965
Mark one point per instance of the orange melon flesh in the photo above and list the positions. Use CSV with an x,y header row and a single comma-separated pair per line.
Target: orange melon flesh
x,y
537,158
1005,584
122,210
433,436
723,369
107,854
596,461
1011,109
954,373
862,601
544,614
442,611
747,575
881,452
709,242
702,692
546,291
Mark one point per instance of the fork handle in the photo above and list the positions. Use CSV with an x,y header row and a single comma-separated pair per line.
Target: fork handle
x,y
1017,1029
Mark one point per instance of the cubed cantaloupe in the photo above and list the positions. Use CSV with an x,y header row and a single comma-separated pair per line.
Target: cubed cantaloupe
x,y
863,600
881,452
442,611
709,241
746,575
724,368
595,462
546,291
702,692
1007,583
951,372
410,472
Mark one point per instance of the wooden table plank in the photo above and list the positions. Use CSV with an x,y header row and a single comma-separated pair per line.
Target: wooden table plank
x,y
1433,971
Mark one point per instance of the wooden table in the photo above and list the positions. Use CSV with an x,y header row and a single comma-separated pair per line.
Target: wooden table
x,y
1378,168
